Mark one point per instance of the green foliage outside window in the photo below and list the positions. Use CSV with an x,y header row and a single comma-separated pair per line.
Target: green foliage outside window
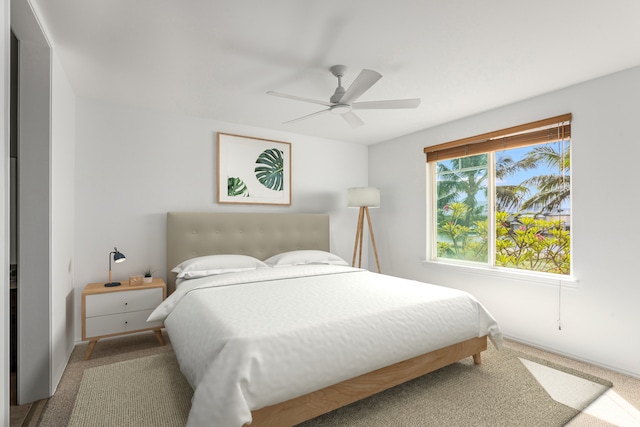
x,y
460,240
522,242
532,244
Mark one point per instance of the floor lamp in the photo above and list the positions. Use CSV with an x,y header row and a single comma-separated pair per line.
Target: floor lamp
x,y
363,198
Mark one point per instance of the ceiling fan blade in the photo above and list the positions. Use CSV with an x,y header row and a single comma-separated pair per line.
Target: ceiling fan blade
x,y
388,104
317,113
360,85
353,120
299,98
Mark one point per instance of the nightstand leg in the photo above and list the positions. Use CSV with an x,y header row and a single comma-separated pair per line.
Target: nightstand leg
x,y
92,345
158,333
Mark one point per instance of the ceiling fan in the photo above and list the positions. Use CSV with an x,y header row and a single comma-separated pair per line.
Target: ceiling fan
x,y
343,101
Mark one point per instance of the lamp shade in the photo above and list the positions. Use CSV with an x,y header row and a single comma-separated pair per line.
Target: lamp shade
x,y
118,257
363,196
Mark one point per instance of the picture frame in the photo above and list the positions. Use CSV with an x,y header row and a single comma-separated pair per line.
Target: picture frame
x,y
253,170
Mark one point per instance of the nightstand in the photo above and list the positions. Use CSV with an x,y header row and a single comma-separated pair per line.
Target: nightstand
x,y
120,310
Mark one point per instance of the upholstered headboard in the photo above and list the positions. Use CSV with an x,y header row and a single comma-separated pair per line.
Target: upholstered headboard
x,y
261,235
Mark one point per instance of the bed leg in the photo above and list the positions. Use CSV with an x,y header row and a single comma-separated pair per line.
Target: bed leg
x,y
477,358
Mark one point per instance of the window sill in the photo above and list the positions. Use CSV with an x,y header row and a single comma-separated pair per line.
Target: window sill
x,y
503,273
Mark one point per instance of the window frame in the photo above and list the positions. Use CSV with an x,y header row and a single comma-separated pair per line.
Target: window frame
x,y
490,266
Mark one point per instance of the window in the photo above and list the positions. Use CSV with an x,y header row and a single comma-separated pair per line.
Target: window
x,y
503,199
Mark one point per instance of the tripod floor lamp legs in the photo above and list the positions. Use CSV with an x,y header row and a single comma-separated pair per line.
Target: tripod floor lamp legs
x,y
357,248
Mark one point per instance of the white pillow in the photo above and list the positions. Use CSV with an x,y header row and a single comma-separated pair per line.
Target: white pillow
x,y
286,259
216,264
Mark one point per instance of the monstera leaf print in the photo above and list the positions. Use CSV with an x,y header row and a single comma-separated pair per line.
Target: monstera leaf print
x,y
236,187
270,169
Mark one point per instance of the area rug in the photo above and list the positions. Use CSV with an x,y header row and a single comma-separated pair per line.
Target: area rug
x,y
149,391
508,389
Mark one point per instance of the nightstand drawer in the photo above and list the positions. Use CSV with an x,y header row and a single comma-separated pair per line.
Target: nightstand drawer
x,y
119,323
122,302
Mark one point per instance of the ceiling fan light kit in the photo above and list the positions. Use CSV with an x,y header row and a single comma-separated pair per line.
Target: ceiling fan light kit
x,y
340,109
343,101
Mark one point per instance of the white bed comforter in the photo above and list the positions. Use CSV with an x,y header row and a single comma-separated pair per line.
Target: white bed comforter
x,y
253,339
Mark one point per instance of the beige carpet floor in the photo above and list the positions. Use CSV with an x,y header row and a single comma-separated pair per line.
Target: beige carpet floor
x,y
506,390
148,391
58,410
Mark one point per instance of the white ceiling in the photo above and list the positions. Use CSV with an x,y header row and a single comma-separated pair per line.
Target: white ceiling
x,y
218,58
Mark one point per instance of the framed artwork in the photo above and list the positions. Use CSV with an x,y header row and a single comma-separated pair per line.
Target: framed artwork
x,y
253,170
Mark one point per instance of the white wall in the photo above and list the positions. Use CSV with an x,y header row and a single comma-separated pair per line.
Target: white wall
x,y
599,313
134,165
62,219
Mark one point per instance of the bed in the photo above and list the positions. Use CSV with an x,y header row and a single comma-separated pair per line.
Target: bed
x,y
284,343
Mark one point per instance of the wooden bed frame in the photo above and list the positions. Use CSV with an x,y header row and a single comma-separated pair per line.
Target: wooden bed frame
x,y
192,234
320,402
